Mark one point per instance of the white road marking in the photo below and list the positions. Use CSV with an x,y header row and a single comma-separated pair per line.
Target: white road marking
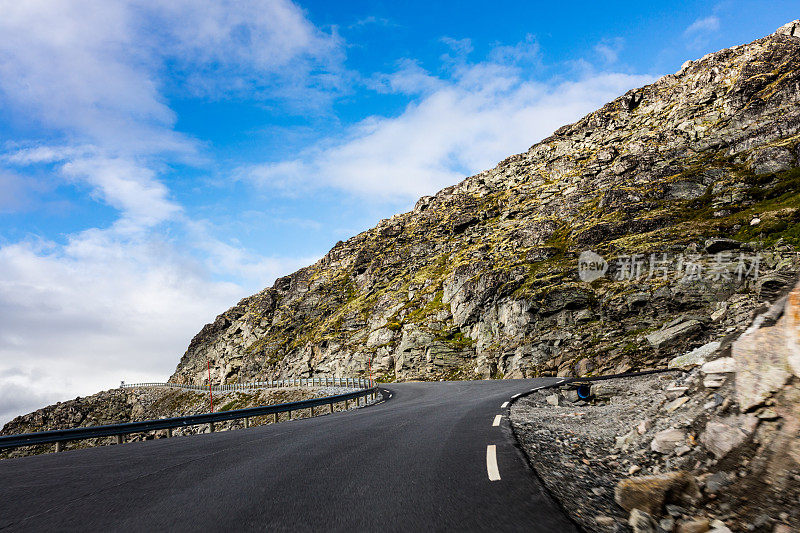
x,y
516,396
491,463
505,404
390,396
497,420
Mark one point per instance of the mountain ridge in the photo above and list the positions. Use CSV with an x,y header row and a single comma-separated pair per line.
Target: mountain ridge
x,y
480,280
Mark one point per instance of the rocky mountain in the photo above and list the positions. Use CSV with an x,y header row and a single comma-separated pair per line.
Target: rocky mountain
x,y
685,190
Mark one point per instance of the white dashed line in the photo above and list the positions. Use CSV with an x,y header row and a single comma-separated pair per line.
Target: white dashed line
x,y
505,404
516,396
497,420
491,463
390,396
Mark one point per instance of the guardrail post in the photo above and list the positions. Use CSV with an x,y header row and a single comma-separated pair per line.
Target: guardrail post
x,y
211,427
346,405
118,439
169,433
246,422
274,418
331,407
59,446
312,411
290,415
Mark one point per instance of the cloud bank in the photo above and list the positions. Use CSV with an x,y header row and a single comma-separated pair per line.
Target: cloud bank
x,y
88,82
481,113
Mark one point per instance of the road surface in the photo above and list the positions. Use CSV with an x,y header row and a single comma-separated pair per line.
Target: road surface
x,y
432,457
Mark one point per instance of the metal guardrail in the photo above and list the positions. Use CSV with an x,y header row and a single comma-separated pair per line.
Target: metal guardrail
x,y
118,430
356,383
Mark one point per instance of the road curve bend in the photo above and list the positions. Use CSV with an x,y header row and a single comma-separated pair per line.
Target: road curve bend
x,y
432,457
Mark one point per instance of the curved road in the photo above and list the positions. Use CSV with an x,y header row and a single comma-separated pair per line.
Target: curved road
x,y
415,462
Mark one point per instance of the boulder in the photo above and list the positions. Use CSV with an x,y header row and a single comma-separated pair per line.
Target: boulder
x,y
696,357
570,395
725,365
717,482
673,334
722,436
791,315
792,29
762,365
584,366
667,440
715,246
716,372
604,521
650,493
605,390
676,404
553,399
626,440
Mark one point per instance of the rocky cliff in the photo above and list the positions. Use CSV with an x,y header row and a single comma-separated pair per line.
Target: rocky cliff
x,y
688,188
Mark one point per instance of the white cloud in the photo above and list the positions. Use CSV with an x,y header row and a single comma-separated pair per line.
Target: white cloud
x,y
91,77
265,48
94,68
105,307
80,317
129,187
707,24
410,79
698,33
232,260
609,49
456,127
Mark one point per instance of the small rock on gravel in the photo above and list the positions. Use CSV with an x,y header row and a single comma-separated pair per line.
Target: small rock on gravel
x,y
641,522
699,525
667,440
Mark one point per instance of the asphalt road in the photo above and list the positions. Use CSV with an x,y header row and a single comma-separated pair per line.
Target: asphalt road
x,y
415,462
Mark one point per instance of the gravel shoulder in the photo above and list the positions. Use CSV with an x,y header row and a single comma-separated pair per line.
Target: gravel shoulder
x,y
646,429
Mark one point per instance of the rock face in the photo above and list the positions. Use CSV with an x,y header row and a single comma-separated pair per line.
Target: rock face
x,y
688,188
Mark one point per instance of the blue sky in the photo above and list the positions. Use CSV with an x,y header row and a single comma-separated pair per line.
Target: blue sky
x,y
159,161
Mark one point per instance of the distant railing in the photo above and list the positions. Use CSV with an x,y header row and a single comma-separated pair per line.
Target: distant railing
x,y
118,430
355,383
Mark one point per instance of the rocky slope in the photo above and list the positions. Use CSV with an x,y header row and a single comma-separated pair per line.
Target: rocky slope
x,y
716,448
683,186
116,406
